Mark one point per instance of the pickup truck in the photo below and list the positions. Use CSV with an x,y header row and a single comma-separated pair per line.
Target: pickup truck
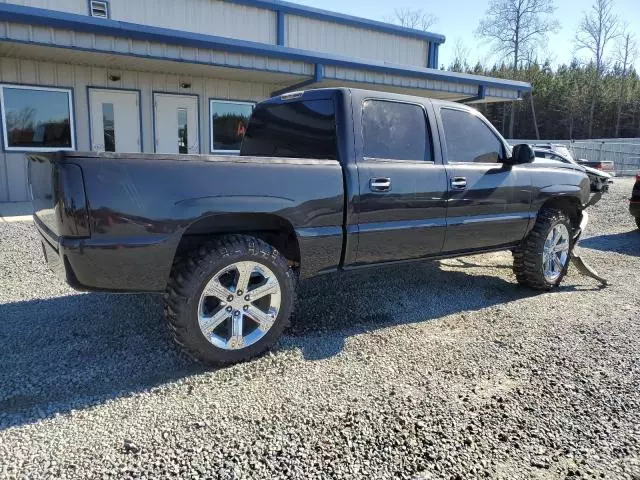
x,y
327,180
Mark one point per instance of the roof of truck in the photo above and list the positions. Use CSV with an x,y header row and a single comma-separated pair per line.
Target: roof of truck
x,y
318,93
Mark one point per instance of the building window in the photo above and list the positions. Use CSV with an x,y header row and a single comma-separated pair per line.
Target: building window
x,y
99,8
229,122
35,118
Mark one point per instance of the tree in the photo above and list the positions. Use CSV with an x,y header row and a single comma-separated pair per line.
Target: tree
x,y
626,56
596,30
413,18
517,27
460,56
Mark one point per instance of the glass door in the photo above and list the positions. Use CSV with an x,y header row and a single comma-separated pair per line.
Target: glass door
x,y
176,123
115,120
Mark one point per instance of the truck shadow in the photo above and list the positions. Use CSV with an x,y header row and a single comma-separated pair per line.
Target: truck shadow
x,y
77,351
332,308
626,243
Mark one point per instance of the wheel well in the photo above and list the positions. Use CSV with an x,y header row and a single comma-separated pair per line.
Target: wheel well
x,y
569,205
273,229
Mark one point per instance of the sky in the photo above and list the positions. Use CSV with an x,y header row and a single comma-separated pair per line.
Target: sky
x,y
458,19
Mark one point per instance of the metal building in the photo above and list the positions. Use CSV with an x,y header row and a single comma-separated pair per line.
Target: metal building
x,y
181,76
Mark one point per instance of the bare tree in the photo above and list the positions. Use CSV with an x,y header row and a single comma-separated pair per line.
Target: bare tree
x,y
460,56
413,18
625,57
598,27
516,28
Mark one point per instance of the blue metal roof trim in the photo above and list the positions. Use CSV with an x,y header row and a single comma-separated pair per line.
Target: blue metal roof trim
x,y
319,14
103,26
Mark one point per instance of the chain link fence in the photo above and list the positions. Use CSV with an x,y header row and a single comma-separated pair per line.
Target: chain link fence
x,y
623,152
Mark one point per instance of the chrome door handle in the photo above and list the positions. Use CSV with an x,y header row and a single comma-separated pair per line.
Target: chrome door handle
x,y
458,183
380,184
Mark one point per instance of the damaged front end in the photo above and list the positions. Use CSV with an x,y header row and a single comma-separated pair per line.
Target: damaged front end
x,y
577,259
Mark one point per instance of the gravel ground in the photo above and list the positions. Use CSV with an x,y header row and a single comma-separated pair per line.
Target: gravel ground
x,y
434,370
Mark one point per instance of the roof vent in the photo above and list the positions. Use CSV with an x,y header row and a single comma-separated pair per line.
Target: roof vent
x,y
99,8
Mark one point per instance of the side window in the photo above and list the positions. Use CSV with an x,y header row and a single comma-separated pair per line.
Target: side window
x,y
397,131
469,139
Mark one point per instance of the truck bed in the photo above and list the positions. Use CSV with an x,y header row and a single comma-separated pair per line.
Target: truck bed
x,y
89,205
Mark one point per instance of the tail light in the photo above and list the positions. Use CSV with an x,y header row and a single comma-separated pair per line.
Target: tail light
x,y
599,166
74,216
637,177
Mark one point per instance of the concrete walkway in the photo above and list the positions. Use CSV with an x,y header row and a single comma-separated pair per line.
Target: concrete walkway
x,y
16,212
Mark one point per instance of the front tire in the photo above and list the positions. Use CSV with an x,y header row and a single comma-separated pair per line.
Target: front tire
x,y
229,300
541,262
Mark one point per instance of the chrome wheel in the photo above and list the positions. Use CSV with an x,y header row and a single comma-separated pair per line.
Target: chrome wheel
x,y
239,305
555,253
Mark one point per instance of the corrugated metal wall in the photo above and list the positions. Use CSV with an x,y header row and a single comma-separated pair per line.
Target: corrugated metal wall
x,y
67,38
323,36
360,76
226,19
209,17
13,166
71,6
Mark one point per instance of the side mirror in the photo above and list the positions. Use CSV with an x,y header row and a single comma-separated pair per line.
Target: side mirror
x,y
521,154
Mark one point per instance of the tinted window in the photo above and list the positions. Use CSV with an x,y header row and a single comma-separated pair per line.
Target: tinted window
x,y
37,118
469,139
304,129
395,131
228,124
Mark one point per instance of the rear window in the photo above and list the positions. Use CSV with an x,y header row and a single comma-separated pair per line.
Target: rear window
x,y
304,129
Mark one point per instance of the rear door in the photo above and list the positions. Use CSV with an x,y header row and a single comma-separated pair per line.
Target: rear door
x,y
488,201
401,207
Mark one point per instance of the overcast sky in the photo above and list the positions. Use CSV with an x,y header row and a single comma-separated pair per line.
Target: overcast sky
x,y
458,19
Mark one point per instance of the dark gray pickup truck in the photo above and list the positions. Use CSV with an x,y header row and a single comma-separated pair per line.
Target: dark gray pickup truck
x,y
330,179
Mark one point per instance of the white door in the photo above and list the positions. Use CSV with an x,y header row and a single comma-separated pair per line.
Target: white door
x,y
115,121
176,123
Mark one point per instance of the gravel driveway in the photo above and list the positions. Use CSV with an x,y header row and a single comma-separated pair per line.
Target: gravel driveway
x,y
434,370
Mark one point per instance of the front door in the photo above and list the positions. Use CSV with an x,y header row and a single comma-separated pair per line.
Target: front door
x,y
115,120
176,123
488,201
401,209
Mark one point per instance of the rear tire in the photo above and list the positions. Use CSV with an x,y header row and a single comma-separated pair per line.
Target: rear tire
x,y
533,261
237,327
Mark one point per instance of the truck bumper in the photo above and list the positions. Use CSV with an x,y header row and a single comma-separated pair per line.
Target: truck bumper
x,y
129,266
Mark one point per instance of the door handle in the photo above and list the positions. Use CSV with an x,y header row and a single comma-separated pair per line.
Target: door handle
x,y
380,184
458,183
